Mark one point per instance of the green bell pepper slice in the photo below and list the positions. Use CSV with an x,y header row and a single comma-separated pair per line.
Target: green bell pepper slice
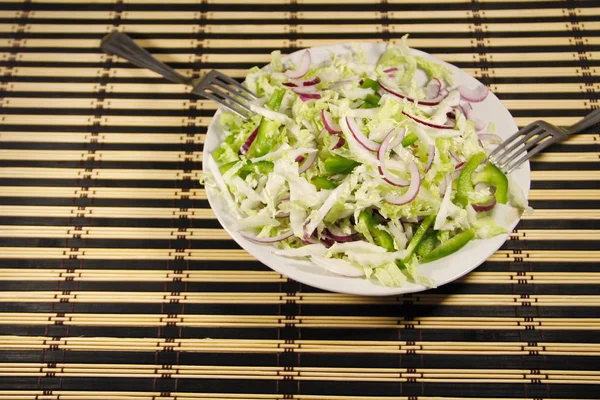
x,y
369,83
267,129
418,236
381,238
339,165
427,244
495,177
464,185
409,139
450,246
323,183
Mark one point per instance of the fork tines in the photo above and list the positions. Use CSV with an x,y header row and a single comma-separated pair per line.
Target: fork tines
x,y
523,145
228,92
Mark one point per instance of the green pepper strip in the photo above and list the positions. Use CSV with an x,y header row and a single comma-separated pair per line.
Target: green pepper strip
x,y
370,84
427,244
418,236
260,167
267,129
409,139
339,165
451,246
323,183
495,177
464,185
381,238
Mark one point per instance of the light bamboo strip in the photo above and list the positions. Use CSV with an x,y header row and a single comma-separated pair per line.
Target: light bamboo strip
x,y
327,15
304,42
204,213
173,174
169,138
295,346
273,321
303,28
169,121
200,194
94,253
91,275
162,104
180,156
119,232
106,212
300,373
101,275
463,300
117,155
165,88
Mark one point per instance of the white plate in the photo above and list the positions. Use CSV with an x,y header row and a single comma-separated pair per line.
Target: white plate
x,y
441,271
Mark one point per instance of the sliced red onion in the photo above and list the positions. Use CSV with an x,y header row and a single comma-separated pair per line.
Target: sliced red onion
x,y
487,206
273,239
309,96
311,82
340,142
391,69
246,146
289,84
459,165
475,95
398,139
433,88
359,136
381,153
308,161
454,155
447,181
302,68
430,157
413,189
490,136
337,237
331,126
480,125
304,90
299,158
427,123
427,102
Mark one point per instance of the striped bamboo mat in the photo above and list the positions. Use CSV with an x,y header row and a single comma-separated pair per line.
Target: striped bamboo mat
x,y
117,282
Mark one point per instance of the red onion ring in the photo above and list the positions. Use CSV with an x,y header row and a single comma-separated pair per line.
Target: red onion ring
x,y
360,137
246,146
308,161
340,238
302,68
304,90
433,88
427,123
459,165
340,142
425,102
490,136
475,95
309,96
413,189
483,207
273,239
398,139
430,157
385,173
391,69
331,126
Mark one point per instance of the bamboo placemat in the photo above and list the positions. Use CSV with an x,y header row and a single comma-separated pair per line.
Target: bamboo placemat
x,y
117,282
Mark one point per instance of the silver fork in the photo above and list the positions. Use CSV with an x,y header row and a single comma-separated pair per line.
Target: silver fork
x,y
533,138
214,85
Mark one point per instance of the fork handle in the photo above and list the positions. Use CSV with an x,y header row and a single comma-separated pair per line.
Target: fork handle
x,y
586,122
120,44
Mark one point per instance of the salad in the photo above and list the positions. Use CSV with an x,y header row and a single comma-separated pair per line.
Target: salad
x,y
368,170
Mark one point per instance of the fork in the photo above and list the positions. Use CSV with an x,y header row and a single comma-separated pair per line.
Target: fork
x,y
214,85
534,138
